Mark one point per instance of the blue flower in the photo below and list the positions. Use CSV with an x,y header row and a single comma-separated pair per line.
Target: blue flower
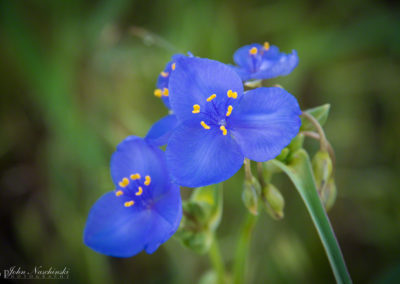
x,y
145,208
159,133
256,61
162,90
220,125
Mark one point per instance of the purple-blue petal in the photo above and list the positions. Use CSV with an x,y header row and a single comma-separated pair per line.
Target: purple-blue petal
x,y
120,231
264,122
199,157
136,155
266,64
195,79
159,133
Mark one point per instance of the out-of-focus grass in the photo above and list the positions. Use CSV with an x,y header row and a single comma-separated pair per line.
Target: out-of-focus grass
x,y
75,82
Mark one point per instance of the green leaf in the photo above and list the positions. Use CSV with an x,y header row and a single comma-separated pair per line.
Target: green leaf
x,y
300,172
320,113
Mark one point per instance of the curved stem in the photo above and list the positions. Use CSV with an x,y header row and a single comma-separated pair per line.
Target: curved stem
x,y
217,262
321,132
242,249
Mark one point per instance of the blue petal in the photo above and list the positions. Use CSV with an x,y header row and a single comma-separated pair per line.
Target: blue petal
x,y
195,79
242,57
280,65
120,231
159,133
136,155
269,64
264,122
199,157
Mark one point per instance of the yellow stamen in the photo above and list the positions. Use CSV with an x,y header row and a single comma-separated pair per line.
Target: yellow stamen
x,y
210,98
253,50
158,93
232,94
135,176
119,193
229,111
223,129
164,74
140,191
124,182
196,109
173,66
205,126
266,45
165,92
129,203
148,180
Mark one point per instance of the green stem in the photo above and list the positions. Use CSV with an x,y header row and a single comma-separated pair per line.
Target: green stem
x,y
247,169
217,261
239,266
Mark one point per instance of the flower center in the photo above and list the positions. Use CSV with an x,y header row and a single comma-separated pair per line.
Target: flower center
x,y
213,114
135,188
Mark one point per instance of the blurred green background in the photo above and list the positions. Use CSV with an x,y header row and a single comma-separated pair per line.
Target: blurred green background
x,y
76,79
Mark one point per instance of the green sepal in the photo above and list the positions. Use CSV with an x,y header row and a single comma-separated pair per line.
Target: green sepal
x,y
320,113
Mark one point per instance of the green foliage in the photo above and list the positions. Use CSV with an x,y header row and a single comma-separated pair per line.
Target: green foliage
x,y
321,115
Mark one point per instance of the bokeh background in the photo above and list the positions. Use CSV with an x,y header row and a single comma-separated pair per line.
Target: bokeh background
x,y
78,76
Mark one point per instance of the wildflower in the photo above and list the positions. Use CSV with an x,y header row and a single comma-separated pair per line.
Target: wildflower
x,y
219,124
145,208
161,130
256,61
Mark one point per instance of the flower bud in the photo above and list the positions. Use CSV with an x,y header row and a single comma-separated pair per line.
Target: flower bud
x,y
328,194
296,143
251,191
199,242
322,168
273,201
283,155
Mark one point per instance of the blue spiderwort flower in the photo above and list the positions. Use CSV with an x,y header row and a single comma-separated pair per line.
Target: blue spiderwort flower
x,y
159,133
219,124
256,61
143,211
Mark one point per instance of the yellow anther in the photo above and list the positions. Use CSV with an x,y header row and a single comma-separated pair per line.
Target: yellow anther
x,y
140,191
253,50
119,193
165,92
229,111
196,109
173,66
266,45
158,93
210,98
129,203
164,74
124,182
205,126
223,129
147,180
232,94
135,176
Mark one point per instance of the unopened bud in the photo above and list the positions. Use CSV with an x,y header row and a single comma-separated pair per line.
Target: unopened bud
x,y
251,191
296,143
322,168
283,155
328,194
273,201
